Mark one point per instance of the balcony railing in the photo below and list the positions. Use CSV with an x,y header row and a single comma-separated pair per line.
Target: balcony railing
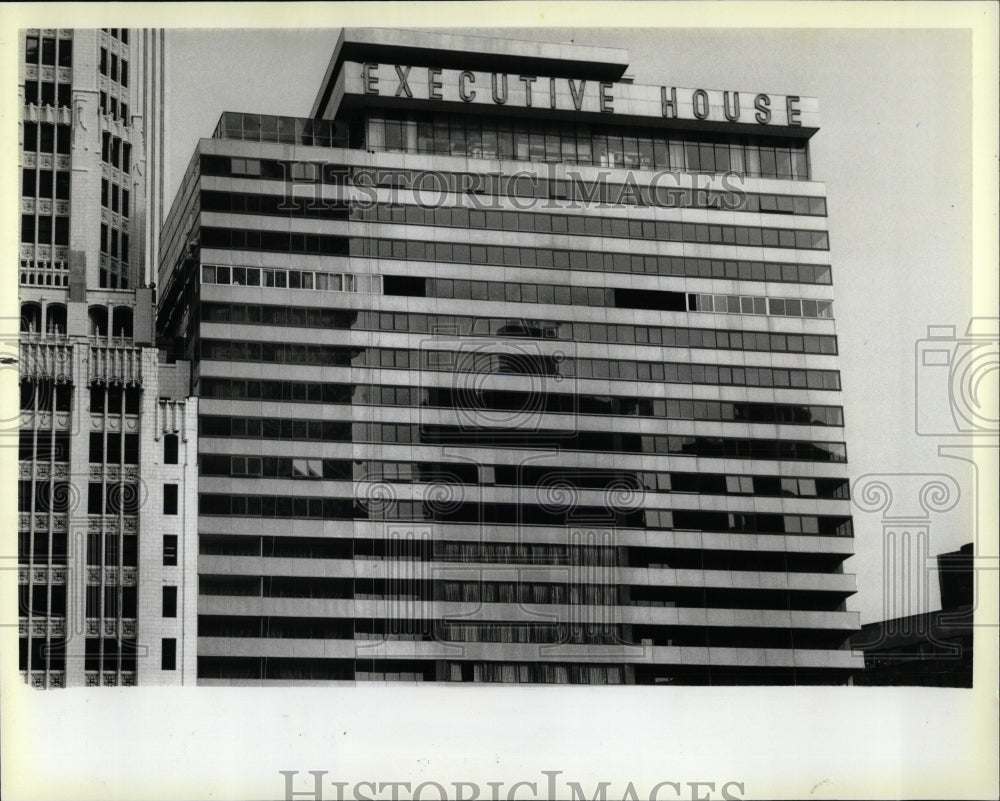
x,y
46,357
111,363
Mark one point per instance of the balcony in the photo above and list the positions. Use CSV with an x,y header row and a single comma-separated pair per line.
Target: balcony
x,y
115,361
49,358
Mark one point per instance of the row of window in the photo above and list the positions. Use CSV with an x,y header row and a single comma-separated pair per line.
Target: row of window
x,y
456,215
607,146
595,478
42,445
45,183
602,441
114,400
593,260
110,601
514,363
48,51
118,109
439,631
114,197
659,230
44,496
483,402
745,304
572,224
597,441
113,448
41,600
287,130
44,395
116,243
563,295
434,185
517,592
41,272
451,325
110,550
290,279
44,229
48,93
215,464
41,653
572,553
125,498
41,547
536,673
113,67
116,152
46,137
121,34
116,277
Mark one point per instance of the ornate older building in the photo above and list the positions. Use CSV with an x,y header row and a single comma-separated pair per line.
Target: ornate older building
x,y
106,504
512,370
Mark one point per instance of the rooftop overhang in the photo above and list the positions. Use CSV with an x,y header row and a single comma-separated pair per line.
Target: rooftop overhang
x,y
420,48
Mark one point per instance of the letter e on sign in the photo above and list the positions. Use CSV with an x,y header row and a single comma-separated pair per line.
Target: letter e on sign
x,y
793,111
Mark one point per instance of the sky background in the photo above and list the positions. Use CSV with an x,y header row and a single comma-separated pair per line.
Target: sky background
x,y
894,150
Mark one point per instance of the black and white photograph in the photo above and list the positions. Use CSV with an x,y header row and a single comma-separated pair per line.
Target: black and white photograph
x,y
513,402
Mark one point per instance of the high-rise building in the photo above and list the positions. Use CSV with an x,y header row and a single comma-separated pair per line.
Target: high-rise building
x,y
107,455
512,370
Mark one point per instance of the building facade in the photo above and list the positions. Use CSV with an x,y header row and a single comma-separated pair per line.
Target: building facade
x,y
107,455
512,370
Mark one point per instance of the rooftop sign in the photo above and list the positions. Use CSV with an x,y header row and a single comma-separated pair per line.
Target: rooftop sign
x,y
475,88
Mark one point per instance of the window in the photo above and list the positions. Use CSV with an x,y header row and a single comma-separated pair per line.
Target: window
x,y
169,550
170,602
168,654
169,499
65,52
170,449
49,51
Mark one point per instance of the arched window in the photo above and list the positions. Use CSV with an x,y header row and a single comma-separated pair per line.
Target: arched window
x,y
98,316
55,319
121,322
31,318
